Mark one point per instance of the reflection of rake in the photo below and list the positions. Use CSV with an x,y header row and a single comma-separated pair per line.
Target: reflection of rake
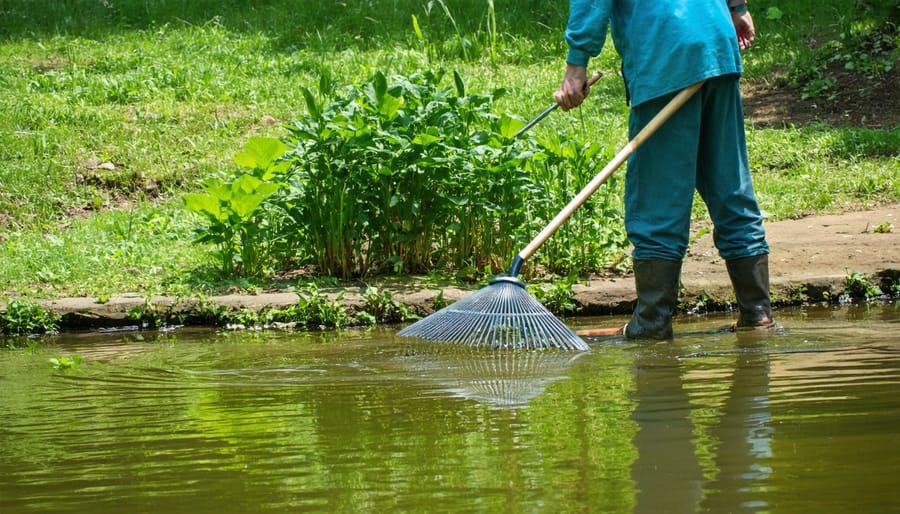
x,y
509,379
503,378
504,314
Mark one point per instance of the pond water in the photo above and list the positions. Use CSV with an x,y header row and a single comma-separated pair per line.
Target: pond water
x,y
807,420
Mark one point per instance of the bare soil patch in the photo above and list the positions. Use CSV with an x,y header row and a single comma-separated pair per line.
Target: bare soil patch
x,y
856,102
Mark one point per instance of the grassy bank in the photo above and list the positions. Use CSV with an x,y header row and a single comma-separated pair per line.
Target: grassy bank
x,y
112,110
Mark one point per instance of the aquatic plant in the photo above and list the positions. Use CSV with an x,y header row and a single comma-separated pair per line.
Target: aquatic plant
x,y
27,317
859,286
63,363
382,308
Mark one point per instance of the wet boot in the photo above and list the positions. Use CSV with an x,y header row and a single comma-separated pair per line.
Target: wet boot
x,y
656,281
750,279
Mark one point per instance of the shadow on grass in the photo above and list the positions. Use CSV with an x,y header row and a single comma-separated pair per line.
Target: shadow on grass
x,y
331,25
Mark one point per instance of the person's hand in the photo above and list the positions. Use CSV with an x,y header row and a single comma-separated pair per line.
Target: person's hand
x,y
743,25
574,88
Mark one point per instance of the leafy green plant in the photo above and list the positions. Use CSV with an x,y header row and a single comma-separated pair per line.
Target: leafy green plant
x,y
439,301
318,310
402,175
699,307
382,308
148,314
233,206
557,297
884,228
27,317
889,282
867,49
594,236
859,286
63,363
151,314
812,79
871,52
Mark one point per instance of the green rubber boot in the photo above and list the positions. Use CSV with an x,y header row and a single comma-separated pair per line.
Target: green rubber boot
x,y
750,279
656,281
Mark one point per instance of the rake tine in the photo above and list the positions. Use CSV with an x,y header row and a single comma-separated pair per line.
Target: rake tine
x,y
501,316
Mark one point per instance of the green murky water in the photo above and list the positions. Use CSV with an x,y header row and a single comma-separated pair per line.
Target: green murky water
x,y
362,421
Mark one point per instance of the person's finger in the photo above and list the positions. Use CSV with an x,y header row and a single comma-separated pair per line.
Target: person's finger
x,y
568,97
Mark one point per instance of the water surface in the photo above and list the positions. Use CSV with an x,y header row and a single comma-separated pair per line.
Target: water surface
x,y
362,421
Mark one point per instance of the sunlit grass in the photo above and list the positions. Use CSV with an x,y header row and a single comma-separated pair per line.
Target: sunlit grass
x,y
111,105
139,249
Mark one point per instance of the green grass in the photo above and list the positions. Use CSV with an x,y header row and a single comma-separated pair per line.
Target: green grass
x,y
112,110
820,169
144,249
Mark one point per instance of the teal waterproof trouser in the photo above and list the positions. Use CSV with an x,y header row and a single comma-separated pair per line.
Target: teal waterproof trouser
x,y
701,147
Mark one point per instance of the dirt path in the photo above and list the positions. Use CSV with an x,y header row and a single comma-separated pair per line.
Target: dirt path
x,y
810,260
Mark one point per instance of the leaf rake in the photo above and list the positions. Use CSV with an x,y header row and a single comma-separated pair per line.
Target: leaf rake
x,y
504,314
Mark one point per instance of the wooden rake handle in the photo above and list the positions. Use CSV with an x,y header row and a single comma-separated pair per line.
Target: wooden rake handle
x,y
674,104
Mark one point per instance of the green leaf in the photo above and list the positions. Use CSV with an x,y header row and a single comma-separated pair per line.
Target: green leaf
x,y
249,193
509,125
379,83
326,81
384,103
261,153
219,190
389,107
310,103
591,150
245,206
245,184
203,203
460,88
425,139
417,29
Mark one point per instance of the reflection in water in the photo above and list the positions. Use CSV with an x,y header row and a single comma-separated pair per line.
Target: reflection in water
x,y
505,378
666,473
803,422
734,443
704,435
744,433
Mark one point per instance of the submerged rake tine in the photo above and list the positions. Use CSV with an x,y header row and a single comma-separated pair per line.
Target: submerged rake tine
x,y
472,333
531,331
522,330
535,331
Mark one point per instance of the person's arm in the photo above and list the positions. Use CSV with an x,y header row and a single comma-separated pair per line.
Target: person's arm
x,y
743,23
585,35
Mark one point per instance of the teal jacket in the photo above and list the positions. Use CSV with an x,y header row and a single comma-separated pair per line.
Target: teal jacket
x,y
665,45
